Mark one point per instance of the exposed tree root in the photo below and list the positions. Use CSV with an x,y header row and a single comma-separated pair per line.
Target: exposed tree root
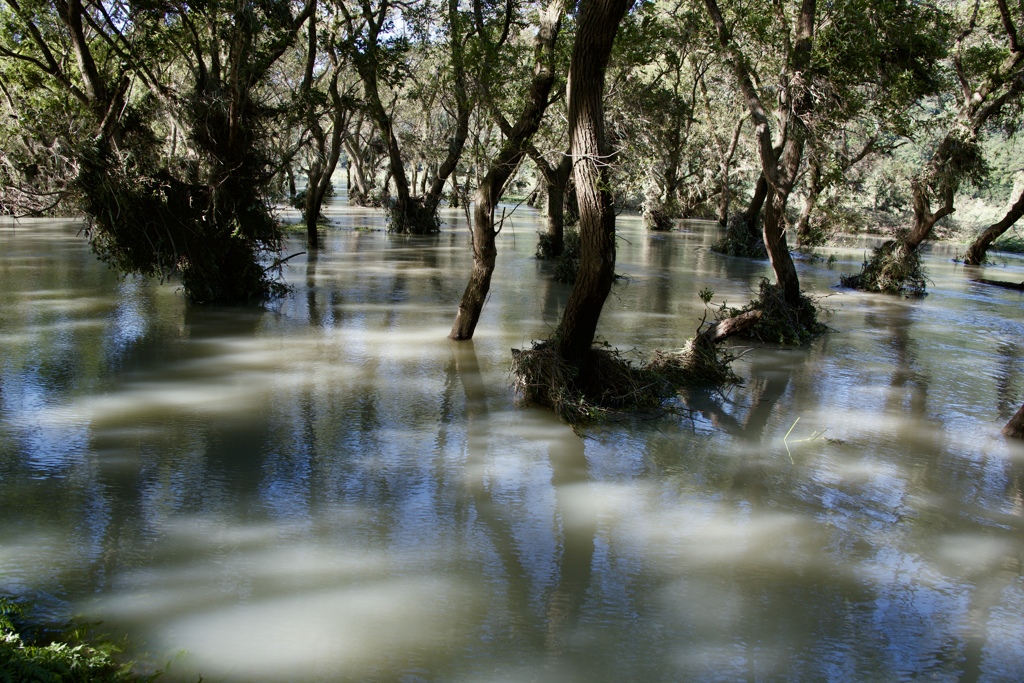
x,y
611,383
769,318
698,363
892,269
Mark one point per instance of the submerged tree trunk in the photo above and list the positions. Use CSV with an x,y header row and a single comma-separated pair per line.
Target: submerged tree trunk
x,y
598,23
512,152
976,253
779,168
556,186
556,182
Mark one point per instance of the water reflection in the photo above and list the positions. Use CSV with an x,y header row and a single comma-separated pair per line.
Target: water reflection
x,y
331,489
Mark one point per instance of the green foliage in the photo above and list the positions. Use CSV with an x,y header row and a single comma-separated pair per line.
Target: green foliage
x,y
1012,243
882,56
892,269
70,658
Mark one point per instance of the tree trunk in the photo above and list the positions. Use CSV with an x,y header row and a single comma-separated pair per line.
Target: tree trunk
x,y
753,210
598,23
557,184
814,187
724,164
1015,427
924,218
779,168
490,188
356,174
320,182
975,255
485,255
774,232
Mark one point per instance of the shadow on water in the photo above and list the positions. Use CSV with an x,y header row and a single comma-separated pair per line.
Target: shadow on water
x,y
575,526
329,489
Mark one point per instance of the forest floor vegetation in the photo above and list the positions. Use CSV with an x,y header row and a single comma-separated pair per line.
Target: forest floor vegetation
x,y
69,654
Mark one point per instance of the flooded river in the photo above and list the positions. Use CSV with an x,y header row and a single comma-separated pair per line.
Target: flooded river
x,y
331,490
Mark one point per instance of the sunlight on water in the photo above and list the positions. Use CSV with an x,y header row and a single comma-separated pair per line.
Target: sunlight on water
x,y
330,489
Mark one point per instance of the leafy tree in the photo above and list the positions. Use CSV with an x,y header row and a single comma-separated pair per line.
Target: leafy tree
x,y
780,163
378,52
517,135
986,65
163,147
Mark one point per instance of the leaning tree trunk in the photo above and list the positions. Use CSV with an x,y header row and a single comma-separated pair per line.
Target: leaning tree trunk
x,y
753,211
489,191
773,231
1015,427
778,168
975,255
598,24
924,218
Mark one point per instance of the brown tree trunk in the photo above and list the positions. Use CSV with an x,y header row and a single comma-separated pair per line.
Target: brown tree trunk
x,y
753,210
975,255
356,172
814,187
556,182
556,186
598,23
924,218
489,191
1015,427
778,168
773,231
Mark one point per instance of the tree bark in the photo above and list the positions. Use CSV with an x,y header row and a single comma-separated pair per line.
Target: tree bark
x,y
723,329
1015,427
598,23
753,210
556,182
489,191
778,167
975,255
814,188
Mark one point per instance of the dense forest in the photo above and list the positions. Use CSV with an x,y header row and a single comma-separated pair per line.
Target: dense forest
x,y
175,128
